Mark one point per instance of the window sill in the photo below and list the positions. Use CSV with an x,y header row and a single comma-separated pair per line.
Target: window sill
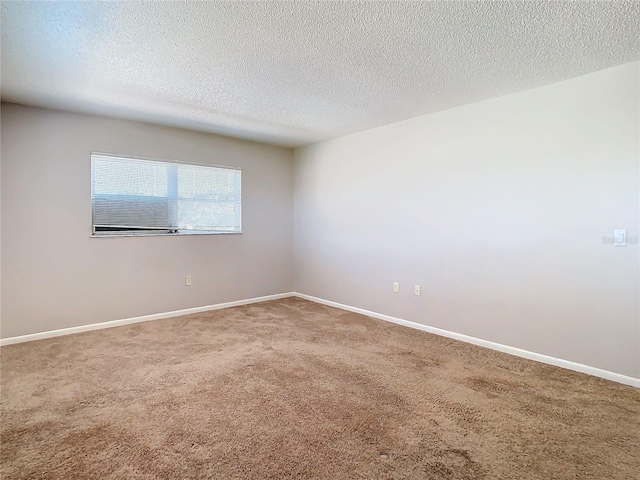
x,y
179,234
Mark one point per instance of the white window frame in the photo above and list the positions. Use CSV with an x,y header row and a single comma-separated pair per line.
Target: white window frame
x,y
172,183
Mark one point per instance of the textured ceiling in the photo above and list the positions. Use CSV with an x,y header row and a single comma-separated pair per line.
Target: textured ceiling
x,y
292,73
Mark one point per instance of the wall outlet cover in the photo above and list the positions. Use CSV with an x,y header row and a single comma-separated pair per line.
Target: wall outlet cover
x,y
620,237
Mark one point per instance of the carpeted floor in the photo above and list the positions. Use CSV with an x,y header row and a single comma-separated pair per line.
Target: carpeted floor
x,y
293,389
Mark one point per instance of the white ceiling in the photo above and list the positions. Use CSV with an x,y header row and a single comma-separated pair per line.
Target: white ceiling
x,y
292,73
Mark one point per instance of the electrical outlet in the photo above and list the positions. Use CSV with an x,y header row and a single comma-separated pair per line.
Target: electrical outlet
x,y
417,290
396,287
187,280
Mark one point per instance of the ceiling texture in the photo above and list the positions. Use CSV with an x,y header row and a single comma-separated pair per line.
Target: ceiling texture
x,y
294,73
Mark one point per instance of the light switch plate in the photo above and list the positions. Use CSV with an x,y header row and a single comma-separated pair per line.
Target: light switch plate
x,y
620,237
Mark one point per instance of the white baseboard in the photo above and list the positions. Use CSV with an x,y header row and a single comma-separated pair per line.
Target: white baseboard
x,y
558,362
144,318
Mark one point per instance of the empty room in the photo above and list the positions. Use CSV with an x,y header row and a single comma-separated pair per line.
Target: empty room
x,y
320,240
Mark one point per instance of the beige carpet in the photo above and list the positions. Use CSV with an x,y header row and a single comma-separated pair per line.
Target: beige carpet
x,y
293,389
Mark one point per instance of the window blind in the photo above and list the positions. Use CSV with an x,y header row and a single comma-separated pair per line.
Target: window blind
x,y
130,195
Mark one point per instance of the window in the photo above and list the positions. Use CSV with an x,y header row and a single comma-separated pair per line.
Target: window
x,y
131,196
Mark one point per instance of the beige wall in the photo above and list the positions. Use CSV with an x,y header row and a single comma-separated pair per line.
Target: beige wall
x,y
498,210
55,276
